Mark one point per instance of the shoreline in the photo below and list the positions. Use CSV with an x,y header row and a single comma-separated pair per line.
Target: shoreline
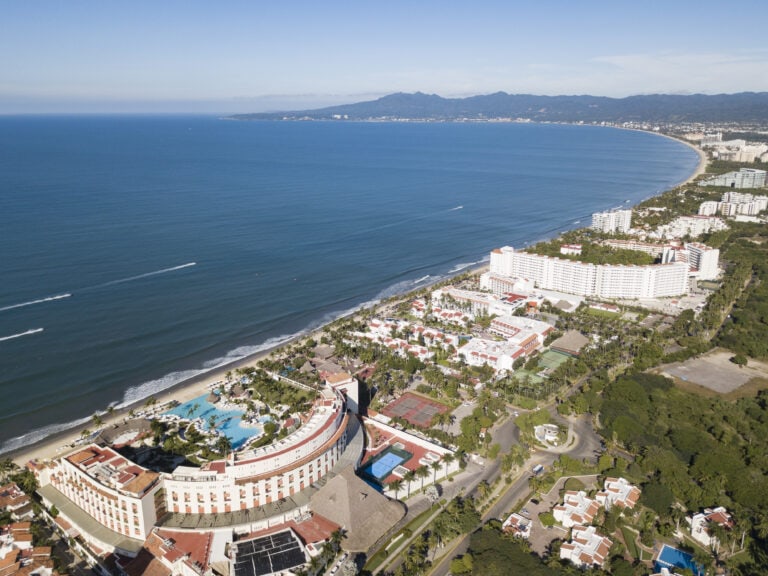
x,y
59,443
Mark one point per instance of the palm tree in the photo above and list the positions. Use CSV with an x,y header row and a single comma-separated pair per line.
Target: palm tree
x,y
395,486
336,538
448,458
435,467
409,477
422,472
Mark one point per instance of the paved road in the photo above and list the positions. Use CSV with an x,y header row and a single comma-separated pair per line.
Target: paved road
x,y
585,443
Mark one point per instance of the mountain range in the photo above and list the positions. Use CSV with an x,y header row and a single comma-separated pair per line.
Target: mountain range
x,y
663,108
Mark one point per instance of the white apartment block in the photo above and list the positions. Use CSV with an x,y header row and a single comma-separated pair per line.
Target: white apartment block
x,y
704,259
586,548
603,281
612,221
111,489
734,204
709,208
618,492
744,178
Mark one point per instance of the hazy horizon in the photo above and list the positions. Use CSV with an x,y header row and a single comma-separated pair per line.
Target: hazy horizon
x,y
194,57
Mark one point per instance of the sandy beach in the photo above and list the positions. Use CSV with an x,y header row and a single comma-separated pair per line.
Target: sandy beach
x,y
60,444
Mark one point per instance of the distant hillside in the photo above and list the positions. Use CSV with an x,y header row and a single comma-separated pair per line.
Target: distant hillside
x,y
742,107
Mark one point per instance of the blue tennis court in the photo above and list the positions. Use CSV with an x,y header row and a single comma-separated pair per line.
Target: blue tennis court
x,y
673,558
382,465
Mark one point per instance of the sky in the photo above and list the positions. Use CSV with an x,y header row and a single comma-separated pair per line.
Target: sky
x,y
251,56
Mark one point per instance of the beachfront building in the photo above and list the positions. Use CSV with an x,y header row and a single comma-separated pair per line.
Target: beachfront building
x,y
111,501
475,303
577,509
586,548
261,476
603,281
612,221
618,492
114,503
744,178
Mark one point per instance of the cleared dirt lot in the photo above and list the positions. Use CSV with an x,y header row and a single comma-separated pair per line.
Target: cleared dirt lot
x,y
715,371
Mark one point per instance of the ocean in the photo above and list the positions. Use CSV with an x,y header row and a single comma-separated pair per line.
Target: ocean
x,y
140,251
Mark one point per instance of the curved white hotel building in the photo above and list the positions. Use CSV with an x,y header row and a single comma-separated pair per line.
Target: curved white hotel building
x,y
258,477
114,503
599,280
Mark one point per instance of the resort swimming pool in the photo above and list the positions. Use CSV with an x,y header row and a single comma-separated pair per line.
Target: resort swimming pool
x,y
382,465
673,558
227,421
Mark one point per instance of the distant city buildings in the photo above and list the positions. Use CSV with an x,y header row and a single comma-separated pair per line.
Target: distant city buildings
x,y
612,221
734,150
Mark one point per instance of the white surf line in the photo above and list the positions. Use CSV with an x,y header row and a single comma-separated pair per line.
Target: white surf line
x,y
147,275
20,334
457,208
33,302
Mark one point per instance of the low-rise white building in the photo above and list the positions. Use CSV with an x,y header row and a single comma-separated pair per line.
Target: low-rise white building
x,y
586,548
517,525
498,355
577,509
618,492
702,522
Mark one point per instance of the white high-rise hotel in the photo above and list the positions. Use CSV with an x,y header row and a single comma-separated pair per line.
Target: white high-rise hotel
x,y
612,221
600,280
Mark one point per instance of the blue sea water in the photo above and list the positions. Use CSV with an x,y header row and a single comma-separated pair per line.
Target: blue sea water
x,y
163,246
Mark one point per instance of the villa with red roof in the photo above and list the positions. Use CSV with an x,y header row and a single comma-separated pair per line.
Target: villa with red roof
x,y
586,548
577,509
702,522
619,492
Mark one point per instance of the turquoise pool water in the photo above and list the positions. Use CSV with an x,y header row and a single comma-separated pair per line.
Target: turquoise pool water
x,y
227,421
673,558
382,465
